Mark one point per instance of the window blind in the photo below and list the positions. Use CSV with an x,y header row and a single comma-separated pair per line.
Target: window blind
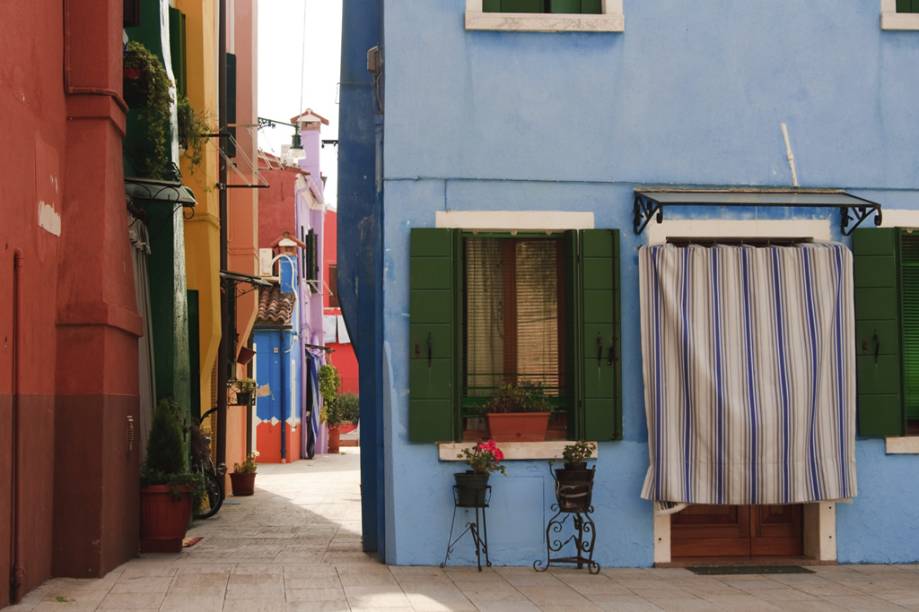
x,y
512,330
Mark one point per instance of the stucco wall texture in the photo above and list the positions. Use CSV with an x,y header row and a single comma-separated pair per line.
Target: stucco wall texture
x,y
63,220
689,93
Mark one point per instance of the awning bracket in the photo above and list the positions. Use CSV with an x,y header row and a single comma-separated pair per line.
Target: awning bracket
x,y
853,210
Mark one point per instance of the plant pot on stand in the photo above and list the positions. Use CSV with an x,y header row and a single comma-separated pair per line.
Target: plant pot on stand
x,y
574,488
471,489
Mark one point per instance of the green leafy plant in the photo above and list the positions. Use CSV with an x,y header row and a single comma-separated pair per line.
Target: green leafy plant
x,y
249,466
348,407
329,384
167,456
245,385
193,129
148,89
523,397
484,458
579,452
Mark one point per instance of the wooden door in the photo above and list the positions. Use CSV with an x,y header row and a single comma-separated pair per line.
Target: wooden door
x,y
737,531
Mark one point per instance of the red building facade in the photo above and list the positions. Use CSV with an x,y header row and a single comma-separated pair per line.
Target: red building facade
x,y
69,326
342,355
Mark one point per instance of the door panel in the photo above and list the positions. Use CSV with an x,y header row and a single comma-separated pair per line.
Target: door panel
x,y
711,531
737,531
777,531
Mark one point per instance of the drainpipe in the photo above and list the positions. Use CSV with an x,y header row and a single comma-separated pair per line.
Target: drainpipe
x,y
285,390
16,571
226,293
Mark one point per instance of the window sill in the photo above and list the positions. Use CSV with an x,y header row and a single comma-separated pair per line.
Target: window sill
x,y
899,21
513,451
905,445
538,22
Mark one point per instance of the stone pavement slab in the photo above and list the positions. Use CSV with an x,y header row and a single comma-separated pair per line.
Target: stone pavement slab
x,y
295,546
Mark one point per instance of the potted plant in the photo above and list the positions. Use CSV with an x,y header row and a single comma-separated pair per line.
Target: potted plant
x,y
168,488
471,485
348,407
518,413
245,387
333,418
243,476
329,384
574,482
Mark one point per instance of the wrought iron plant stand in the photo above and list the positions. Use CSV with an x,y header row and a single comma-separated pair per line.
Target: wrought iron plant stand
x,y
478,529
572,503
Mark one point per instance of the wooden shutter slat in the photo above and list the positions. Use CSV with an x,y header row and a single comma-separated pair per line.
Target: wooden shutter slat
x,y
599,346
909,310
432,334
877,320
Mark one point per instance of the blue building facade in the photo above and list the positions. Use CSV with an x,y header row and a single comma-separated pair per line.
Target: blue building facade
x,y
556,130
279,363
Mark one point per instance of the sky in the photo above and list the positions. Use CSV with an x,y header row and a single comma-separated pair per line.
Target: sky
x,y
282,32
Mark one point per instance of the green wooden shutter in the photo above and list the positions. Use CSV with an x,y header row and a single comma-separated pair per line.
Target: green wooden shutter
x,y
908,6
432,334
878,332
178,49
909,312
599,342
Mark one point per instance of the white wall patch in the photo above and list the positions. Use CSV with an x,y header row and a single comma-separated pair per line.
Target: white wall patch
x,y
49,219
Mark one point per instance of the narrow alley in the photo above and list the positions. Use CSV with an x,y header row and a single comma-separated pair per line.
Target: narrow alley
x,y
295,545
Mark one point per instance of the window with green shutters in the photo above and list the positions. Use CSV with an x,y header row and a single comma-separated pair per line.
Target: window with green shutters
x,y
908,6
493,309
543,6
887,331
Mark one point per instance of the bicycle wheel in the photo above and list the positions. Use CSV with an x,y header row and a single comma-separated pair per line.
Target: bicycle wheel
x,y
213,493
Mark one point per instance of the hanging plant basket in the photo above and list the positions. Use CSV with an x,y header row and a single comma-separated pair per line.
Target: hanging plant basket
x,y
147,91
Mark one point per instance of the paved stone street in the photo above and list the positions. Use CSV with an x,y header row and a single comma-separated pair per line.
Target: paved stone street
x,y
295,545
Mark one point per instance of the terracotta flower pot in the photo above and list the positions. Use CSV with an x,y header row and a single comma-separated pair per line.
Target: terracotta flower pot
x,y
518,426
334,439
164,517
471,488
243,483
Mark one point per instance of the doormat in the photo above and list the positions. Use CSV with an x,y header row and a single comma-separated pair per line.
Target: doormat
x,y
728,570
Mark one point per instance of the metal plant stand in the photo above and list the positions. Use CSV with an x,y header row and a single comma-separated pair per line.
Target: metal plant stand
x,y
583,537
477,529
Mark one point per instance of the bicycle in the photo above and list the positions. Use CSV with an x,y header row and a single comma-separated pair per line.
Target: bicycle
x,y
211,476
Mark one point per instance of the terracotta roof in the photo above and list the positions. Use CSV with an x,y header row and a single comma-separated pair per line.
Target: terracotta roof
x,y
308,116
274,306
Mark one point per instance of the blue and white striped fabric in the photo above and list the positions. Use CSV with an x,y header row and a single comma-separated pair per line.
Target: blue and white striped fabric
x,y
749,373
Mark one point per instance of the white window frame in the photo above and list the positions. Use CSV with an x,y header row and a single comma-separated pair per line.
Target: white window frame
x,y
610,20
892,20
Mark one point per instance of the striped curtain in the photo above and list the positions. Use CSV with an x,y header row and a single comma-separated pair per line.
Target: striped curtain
x,y
749,373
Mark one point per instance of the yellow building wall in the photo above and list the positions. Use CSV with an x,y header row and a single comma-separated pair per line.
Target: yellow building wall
x,y
202,231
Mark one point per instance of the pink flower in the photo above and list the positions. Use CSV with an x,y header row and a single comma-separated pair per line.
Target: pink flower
x,y
497,454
